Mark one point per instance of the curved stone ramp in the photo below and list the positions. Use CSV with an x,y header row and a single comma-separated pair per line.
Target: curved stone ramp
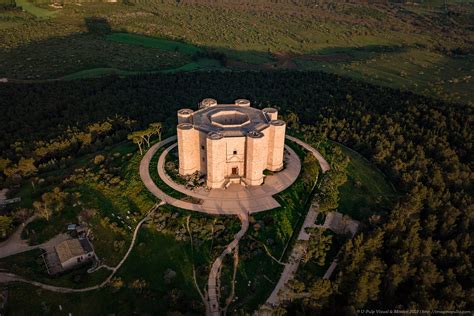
x,y
221,201
6,277
213,307
322,162
153,188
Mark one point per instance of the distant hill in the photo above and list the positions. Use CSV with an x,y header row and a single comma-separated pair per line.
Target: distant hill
x,y
425,46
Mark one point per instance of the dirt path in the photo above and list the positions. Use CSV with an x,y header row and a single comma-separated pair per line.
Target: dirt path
x,y
14,244
298,251
213,294
294,261
10,277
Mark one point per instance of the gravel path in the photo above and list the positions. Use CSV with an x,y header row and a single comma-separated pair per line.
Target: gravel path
x,y
298,251
14,244
213,281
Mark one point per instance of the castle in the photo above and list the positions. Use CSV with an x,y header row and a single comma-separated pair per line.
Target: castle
x,y
230,143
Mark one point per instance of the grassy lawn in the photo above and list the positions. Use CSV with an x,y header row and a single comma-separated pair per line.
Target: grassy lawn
x,y
411,68
199,64
155,36
157,180
98,72
110,210
276,229
124,301
35,10
152,42
155,253
367,191
41,230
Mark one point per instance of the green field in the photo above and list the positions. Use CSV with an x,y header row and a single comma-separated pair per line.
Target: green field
x,y
145,41
367,191
35,10
381,45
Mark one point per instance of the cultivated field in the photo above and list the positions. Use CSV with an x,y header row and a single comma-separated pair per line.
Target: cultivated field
x,y
422,48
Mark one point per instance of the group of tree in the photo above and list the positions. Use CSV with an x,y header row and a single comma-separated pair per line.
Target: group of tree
x,y
53,202
143,137
26,158
416,256
327,195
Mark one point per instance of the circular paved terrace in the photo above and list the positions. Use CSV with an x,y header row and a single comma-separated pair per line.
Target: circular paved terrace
x,y
231,201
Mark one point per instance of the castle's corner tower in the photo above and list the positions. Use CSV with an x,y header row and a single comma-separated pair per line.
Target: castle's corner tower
x,y
188,149
256,157
216,159
276,145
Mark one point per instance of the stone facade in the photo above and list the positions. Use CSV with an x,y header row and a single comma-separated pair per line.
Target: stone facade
x,y
230,143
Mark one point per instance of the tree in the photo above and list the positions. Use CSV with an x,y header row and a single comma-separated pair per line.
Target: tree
x,y
156,128
139,285
293,121
116,283
146,135
51,202
4,163
26,167
317,247
99,159
21,214
42,211
137,139
5,225
367,284
312,168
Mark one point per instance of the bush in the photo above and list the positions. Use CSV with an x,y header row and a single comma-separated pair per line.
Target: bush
x,y
99,159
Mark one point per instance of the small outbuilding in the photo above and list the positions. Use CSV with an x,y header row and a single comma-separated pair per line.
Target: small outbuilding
x,y
73,252
341,224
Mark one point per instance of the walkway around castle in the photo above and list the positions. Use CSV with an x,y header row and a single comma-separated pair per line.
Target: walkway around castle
x,y
230,201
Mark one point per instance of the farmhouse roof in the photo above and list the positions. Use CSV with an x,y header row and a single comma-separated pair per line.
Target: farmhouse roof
x,y
72,248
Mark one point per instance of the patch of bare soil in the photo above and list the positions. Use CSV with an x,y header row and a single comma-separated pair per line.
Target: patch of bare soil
x,y
285,61
337,57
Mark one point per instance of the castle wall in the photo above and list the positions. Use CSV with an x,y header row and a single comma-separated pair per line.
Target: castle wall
x,y
235,155
276,145
202,139
220,146
188,149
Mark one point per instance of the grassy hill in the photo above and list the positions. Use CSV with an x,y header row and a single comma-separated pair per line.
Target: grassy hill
x,y
426,48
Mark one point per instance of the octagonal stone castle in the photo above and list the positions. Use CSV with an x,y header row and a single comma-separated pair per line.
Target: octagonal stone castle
x,y
230,143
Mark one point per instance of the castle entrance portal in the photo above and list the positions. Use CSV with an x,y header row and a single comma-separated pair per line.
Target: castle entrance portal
x,y
235,171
